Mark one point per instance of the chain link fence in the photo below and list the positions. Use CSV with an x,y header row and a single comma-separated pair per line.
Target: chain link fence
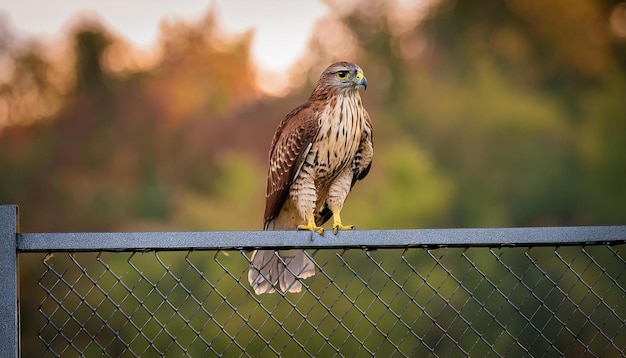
x,y
448,302
399,293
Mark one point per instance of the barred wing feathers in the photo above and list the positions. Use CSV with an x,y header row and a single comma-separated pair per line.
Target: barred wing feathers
x,y
291,143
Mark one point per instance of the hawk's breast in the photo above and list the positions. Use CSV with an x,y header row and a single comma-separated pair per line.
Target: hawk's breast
x,y
341,128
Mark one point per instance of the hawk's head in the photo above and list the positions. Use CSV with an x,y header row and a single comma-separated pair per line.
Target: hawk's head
x,y
343,76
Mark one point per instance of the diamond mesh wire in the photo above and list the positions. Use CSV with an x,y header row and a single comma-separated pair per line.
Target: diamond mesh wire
x,y
493,302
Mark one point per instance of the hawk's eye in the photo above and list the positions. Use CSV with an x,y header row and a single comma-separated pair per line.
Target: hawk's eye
x,y
342,75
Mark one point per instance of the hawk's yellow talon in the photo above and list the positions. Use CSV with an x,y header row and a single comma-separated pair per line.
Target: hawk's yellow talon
x,y
311,227
338,227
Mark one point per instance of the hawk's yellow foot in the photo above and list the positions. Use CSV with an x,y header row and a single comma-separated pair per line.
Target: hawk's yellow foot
x,y
312,227
336,228
337,225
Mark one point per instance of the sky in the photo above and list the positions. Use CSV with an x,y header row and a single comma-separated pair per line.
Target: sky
x,y
274,47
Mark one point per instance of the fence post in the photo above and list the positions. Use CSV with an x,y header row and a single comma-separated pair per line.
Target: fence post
x,y
9,306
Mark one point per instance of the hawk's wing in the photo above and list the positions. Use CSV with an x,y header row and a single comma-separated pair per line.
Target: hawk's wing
x,y
292,141
363,158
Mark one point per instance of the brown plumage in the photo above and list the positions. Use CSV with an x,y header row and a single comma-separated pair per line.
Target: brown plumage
x,y
319,151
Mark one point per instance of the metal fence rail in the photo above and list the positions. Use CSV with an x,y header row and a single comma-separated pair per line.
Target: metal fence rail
x,y
453,292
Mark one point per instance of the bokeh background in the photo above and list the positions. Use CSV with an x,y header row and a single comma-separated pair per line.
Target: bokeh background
x,y
487,114
509,113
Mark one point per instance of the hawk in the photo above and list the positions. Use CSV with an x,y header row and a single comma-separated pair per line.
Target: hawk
x,y
319,151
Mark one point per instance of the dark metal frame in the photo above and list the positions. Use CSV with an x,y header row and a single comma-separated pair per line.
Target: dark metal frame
x,y
237,240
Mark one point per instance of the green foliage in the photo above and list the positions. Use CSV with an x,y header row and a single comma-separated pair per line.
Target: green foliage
x,y
405,190
232,202
510,148
602,146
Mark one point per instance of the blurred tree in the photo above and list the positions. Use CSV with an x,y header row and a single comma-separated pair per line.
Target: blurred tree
x,y
90,43
125,145
31,88
510,112
559,53
498,94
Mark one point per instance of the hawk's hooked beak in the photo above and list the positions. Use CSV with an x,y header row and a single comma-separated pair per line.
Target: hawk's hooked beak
x,y
360,80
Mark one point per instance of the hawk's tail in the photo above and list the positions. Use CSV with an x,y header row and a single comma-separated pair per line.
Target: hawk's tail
x,y
281,270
